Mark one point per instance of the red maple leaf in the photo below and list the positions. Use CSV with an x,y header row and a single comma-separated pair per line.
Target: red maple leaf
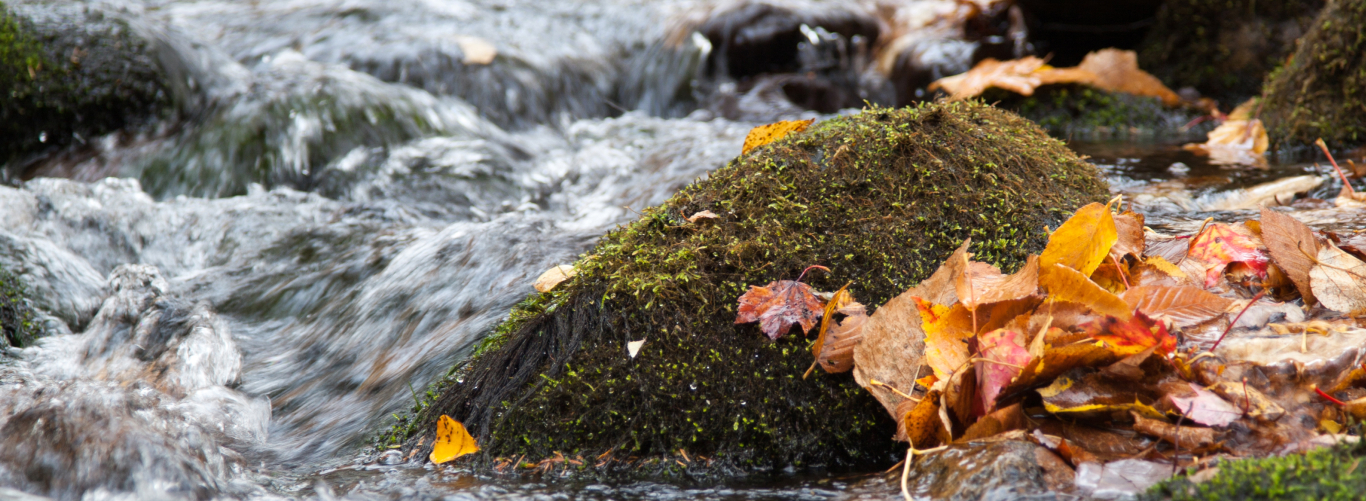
x,y
1128,337
780,304
1220,244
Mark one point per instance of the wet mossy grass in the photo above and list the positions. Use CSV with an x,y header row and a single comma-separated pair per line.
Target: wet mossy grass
x,y
1223,48
1321,90
881,198
1075,111
69,78
18,325
1330,473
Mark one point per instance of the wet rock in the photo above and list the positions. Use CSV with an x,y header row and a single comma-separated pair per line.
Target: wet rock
x,y
70,74
1318,91
1223,48
880,198
1002,470
18,322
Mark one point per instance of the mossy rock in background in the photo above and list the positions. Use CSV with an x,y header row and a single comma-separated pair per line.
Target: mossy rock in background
x,y
69,75
18,325
1076,111
1223,48
881,198
1321,91
1330,473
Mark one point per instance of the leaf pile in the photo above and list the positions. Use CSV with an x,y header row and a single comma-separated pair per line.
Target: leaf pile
x,y
1119,343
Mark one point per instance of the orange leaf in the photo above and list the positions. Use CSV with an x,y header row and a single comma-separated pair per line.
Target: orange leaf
x,y
1220,244
1083,241
1117,70
1294,248
779,305
1127,337
836,354
946,333
1184,306
765,134
1020,284
1067,284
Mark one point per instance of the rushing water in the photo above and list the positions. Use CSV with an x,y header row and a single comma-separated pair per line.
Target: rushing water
x,y
351,198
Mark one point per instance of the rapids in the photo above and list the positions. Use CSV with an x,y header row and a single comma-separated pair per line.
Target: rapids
x,y
349,198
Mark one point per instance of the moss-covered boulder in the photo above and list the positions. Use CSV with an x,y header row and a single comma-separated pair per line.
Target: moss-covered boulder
x,y
68,75
1321,90
1077,111
881,198
1223,48
18,324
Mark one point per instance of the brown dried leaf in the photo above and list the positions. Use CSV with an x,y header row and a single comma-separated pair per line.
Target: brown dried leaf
x,y
553,277
1067,284
1184,436
1243,396
1083,241
1117,71
1339,280
1017,285
1235,142
1293,247
706,214
893,347
1184,306
1016,76
1009,418
1130,241
837,352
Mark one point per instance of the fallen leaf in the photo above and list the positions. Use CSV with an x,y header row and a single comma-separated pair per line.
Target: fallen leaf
x,y
893,346
1083,241
553,277
1117,71
1003,356
1235,142
921,425
633,347
1130,368
1017,285
778,305
1220,244
1205,407
1056,361
1184,306
1127,337
1243,396
1293,247
946,333
1091,397
452,441
1186,436
1129,237
765,134
1066,284
837,352
1160,265
960,398
1016,76
706,214
476,50
1339,280
1005,419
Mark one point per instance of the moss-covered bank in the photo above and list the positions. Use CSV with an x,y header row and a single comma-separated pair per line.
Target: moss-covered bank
x,y
18,325
1321,91
880,198
1075,111
68,76
1332,473
1223,48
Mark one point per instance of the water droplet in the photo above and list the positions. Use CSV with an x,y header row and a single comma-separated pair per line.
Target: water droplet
x,y
42,137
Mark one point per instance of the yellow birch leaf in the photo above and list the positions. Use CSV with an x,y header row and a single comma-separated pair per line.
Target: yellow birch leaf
x,y
765,134
1067,284
1083,241
452,441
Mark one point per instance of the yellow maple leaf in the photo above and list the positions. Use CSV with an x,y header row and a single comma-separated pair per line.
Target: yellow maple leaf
x,y
452,441
765,134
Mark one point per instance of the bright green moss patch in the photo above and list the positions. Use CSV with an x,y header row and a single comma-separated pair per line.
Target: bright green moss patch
x,y
881,198
1321,91
1333,473
18,327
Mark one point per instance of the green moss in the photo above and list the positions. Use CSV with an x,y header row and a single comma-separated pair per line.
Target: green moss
x,y
68,77
1332,473
18,327
881,198
1081,111
1321,91
1223,48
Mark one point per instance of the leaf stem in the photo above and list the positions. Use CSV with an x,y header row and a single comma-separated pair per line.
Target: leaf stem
x,y
1330,398
1324,147
1235,319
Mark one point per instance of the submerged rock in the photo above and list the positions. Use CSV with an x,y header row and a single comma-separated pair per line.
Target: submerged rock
x,y
1320,90
880,198
69,75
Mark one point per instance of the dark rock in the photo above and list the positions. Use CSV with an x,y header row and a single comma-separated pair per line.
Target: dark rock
x,y
880,197
1321,90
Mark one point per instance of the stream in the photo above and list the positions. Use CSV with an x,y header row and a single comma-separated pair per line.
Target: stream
x,y
356,191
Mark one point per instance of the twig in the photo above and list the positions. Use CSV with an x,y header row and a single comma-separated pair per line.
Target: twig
x,y
1324,147
1235,319
1120,271
875,382
906,472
